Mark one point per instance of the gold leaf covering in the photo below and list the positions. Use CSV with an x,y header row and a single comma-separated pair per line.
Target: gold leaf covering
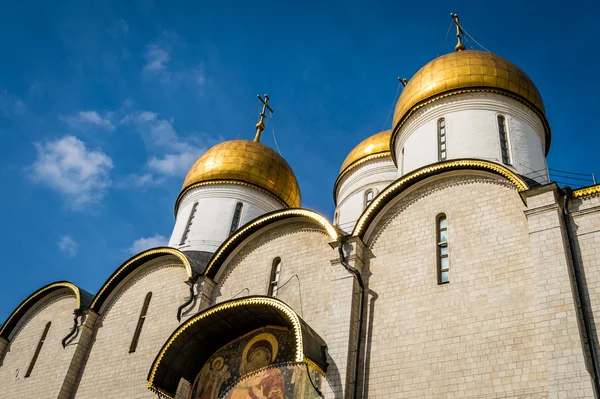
x,y
376,144
463,70
250,162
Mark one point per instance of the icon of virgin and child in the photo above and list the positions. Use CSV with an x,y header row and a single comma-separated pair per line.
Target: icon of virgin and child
x,y
258,381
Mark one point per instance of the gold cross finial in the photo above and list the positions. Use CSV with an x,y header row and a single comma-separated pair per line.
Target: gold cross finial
x,y
260,126
459,31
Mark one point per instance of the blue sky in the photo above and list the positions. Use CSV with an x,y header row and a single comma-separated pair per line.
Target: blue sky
x,y
104,105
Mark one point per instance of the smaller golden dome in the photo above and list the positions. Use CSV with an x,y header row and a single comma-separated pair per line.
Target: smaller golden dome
x,y
247,162
374,146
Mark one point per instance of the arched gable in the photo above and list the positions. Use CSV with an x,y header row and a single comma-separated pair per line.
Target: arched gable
x,y
133,264
83,300
253,227
192,344
403,183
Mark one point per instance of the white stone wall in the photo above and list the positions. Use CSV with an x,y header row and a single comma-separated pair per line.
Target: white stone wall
x,y
320,292
505,325
111,371
373,175
212,221
472,132
53,362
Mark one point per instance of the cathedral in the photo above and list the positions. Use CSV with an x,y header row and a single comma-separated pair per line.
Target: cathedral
x,y
453,267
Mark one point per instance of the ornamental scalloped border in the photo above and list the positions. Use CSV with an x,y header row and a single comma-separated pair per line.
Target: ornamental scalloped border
x,y
64,284
271,302
430,100
226,181
584,192
321,220
360,227
165,251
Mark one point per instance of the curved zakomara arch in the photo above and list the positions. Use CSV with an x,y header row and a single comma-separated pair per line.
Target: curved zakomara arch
x,y
408,180
34,298
259,223
130,265
292,321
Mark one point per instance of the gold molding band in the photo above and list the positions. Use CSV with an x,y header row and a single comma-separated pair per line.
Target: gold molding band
x,y
322,221
265,301
385,196
585,191
356,164
39,292
162,250
235,182
474,90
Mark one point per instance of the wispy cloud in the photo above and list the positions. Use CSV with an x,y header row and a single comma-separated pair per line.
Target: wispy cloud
x,y
67,166
143,180
173,154
144,243
85,119
11,105
68,246
156,57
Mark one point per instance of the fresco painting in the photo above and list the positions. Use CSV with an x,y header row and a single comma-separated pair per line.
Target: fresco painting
x,y
258,365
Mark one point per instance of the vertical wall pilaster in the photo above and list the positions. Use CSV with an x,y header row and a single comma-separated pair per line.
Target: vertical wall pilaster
x,y
559,327
3,347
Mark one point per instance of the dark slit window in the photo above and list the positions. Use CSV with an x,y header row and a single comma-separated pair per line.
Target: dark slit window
x,y
37,350
235,222
442,153
275,273
188,225
442,249
140,323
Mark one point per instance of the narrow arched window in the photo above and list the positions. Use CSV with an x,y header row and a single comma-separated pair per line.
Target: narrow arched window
x,y
504,146
442,248
235,222
442,139
140,323
336,218
274,280
38,349
188,225
402,163
369,195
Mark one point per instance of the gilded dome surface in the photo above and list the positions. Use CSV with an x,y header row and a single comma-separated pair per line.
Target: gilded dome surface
x,y
468,69
248,162
378,144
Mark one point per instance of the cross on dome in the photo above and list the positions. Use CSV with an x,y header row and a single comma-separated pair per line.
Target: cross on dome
x,y
260,126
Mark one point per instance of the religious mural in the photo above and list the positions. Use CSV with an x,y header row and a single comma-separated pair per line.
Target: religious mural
x,y
259,365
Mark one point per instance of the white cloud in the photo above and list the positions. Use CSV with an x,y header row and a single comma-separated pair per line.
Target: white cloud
x,y
144,243
177,153
67,166
67,246
89,118
143,180
156,58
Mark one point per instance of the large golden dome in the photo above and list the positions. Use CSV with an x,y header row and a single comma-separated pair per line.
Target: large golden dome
x,y
468,71
375,146
246,162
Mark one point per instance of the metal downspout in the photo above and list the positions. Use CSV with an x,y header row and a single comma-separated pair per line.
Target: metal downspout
x,y
579,282
361,300
77,312
192,281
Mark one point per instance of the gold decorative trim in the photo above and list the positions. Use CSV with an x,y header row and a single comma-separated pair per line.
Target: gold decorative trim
x,y
322,221
582,192
313,365
166,251
271,302
393,188
357,163
64,284
235,182
522,100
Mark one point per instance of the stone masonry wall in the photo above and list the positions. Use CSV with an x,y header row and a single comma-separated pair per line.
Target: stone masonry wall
x,y
485,334
111,371
321,293
53,361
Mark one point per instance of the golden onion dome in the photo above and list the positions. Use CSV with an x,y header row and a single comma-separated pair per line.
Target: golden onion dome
x,y
464,72
246,162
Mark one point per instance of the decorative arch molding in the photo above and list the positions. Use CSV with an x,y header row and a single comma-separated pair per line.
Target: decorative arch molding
x,y
82,297
132,264
259,223
192,344
394,189
586,191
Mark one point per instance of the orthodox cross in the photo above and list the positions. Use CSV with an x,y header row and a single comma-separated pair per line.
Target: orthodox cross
x,y
459,32
260,126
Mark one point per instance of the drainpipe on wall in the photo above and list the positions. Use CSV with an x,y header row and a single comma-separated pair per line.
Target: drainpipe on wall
x,y
191,282
579,282
361,299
